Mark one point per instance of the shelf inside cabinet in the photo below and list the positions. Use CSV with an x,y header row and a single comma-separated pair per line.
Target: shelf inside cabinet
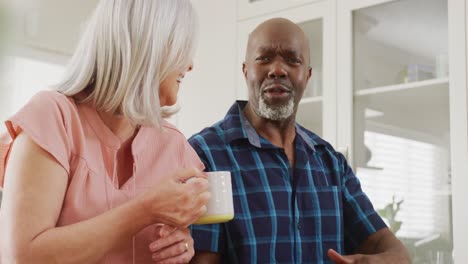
x,y
370,168
418,106
427,84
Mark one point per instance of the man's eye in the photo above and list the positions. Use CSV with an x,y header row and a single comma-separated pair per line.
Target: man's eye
x,y
262,59
294,60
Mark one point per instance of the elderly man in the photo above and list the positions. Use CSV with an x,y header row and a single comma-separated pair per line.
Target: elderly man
x,y
296,199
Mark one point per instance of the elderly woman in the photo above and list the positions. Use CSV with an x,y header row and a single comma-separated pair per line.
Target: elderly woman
x,y
91,171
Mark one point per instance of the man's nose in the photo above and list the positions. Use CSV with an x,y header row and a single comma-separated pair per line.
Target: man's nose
x,y
277,70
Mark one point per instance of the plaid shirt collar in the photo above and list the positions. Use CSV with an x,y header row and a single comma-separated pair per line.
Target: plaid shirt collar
x,y
236,115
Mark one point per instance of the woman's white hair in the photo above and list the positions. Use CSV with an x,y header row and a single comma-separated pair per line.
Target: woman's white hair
x,y
128,48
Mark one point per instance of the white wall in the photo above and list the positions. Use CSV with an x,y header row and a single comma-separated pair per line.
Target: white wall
x,y
5,14
209,90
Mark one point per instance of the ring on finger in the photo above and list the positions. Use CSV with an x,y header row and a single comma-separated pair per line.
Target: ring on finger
x,y
186,246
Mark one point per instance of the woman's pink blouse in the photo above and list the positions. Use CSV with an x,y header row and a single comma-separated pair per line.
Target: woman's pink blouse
x,y
86,148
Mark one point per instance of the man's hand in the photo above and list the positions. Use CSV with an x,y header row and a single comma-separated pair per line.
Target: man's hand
x,y
363,258
349,259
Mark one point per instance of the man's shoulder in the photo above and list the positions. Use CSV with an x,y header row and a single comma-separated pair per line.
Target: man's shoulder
x,y
209,134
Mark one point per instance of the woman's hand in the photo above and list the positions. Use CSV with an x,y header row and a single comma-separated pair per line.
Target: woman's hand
x,y
176,200
172,245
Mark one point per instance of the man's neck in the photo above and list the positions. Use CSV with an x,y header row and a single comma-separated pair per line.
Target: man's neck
x,y
280,133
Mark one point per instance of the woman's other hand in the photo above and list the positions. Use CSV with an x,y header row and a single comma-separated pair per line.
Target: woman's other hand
x,y
176,200
172,245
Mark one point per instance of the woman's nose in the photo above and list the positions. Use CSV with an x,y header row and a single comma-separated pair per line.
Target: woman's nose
x,y
190,66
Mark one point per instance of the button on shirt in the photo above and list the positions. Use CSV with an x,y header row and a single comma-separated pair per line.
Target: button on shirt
x,y
282,214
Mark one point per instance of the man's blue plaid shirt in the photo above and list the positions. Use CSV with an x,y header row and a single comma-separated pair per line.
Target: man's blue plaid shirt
x,y
282,214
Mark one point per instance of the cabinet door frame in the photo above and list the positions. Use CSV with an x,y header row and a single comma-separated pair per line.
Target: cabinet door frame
x,y
344,72
247,9
458,96
458,51
324,10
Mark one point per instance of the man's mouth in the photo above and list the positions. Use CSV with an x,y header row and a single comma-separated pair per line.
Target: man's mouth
x,y
276,91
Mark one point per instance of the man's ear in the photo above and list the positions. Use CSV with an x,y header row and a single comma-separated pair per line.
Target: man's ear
x,y
309,73
244,70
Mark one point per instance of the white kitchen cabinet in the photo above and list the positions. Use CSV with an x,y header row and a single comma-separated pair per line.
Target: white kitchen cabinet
x,y
391,92
401,108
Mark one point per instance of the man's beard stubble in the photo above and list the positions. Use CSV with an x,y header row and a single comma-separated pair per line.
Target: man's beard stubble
x,y
275,113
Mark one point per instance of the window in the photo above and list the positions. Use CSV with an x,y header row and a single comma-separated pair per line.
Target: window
x,y
415,172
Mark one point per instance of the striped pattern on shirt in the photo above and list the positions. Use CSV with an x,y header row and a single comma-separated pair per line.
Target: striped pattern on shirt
x,y
282,214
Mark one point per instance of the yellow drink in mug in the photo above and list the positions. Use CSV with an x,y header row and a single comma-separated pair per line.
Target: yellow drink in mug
x,y
220,207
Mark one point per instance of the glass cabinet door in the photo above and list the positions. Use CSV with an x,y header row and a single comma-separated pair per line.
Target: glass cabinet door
x,y
310,111
400,120
317,103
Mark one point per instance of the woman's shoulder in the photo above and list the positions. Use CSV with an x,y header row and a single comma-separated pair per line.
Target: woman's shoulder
x,y
46,118
47,111
50,104
53,97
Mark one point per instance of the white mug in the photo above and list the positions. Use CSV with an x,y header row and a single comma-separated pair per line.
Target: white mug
x,y
220,207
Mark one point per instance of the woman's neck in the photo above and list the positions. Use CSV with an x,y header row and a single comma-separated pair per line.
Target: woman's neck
x,y
121,126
